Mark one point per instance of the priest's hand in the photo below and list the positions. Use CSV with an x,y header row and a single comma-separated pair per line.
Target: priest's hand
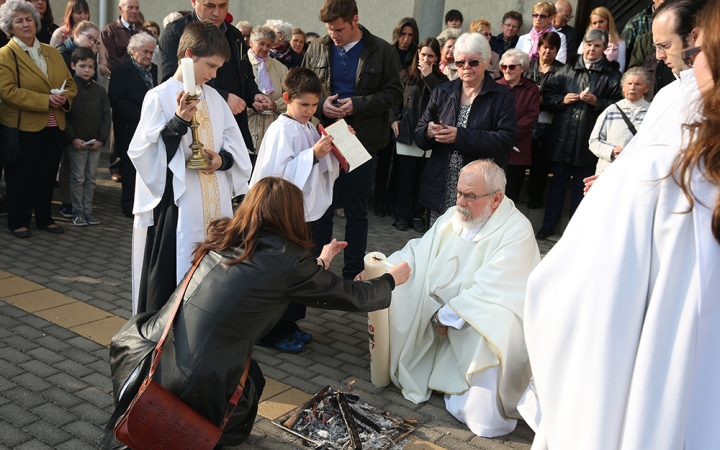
x,y
215,159
400,273
360,277
442,329
589,181
184,109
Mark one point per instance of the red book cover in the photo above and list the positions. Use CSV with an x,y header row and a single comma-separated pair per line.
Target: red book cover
x,y
334,150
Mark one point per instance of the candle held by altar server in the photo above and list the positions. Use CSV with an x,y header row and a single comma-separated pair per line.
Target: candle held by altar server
x,y
188,74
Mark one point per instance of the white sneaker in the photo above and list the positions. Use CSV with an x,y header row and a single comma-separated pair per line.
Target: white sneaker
x,y
92,220
79,221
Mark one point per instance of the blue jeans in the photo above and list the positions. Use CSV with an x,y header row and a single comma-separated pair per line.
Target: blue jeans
x,y
562,173
353,197
83,167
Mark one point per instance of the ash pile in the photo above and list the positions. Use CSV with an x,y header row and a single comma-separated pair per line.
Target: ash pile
x,y
333,420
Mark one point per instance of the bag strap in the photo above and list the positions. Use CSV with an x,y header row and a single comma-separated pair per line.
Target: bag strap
x,y
17,69
235,399
627,120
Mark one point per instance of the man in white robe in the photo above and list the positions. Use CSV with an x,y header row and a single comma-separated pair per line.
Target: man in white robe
x,y
200,196
456,326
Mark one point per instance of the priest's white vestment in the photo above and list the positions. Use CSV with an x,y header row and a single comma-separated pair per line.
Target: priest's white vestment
x,y
483,282
287,152
622,316
200,197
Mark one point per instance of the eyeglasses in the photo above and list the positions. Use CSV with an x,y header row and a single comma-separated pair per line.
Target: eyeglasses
x,y
487,34
541,16
665,47
508,66
512,27
472,63
568,17
93,41
471,198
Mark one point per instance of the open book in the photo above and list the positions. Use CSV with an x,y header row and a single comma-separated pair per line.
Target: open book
x,y
346,147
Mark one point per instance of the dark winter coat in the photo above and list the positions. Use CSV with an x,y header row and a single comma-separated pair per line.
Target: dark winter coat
x,y
572,124
527,109
89,117
225,310
491,132
377,87
416,97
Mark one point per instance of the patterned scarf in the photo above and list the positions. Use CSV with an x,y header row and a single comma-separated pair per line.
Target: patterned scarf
x,y
535,38
264,81
34,54
145,72
282,51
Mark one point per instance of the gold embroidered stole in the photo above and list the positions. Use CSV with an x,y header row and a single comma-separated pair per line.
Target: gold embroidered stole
x,y
209,188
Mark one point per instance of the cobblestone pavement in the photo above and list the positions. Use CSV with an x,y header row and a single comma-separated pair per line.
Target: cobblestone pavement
x,y
54,383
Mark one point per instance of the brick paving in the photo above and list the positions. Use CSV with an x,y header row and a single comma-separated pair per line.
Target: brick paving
x,y
55,390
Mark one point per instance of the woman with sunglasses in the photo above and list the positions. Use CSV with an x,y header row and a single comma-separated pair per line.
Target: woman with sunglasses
x,y
576,95
513,64
484,27
542,16
473,118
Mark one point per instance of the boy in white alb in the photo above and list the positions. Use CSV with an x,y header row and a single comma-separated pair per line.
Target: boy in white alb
x,y
294,150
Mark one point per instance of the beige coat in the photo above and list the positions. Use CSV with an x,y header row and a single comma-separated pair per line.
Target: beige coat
x,y
259,123
33,96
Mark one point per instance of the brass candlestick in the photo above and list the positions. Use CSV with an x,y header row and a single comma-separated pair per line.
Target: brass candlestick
x,y
198,160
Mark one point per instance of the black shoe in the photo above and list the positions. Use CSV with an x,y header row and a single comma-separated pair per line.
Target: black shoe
x,y
401,225
52,230
380,211
66,210
21,234
544,233
419,225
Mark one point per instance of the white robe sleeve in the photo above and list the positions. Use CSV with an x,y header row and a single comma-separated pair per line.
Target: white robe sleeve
x,y
233,142
278,158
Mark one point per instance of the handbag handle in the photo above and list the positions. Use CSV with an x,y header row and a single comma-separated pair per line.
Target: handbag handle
x,y
17,69
235,399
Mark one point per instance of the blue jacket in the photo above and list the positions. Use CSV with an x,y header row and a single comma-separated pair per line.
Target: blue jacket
x,y
490,133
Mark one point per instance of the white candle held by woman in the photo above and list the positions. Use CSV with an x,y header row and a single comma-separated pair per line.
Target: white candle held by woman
x,y
188,75
378,327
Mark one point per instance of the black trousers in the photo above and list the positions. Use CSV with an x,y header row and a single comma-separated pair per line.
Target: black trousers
x,y
410,169
30,181
386,178
128,184
515,179
539,172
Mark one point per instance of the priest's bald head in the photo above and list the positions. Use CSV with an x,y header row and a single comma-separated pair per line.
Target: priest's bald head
x,y
480,189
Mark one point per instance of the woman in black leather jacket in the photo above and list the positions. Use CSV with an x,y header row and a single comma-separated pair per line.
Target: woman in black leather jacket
x,y
419,80
251,267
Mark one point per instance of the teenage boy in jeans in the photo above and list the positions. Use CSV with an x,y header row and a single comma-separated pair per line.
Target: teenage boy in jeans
x,y
88,127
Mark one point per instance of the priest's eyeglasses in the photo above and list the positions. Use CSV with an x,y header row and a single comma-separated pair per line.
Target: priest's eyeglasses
x,y
471,198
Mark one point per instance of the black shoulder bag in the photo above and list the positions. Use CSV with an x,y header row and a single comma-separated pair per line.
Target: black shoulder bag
x,y
10,137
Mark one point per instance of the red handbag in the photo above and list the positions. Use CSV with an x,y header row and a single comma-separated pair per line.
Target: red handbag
x,y
157,420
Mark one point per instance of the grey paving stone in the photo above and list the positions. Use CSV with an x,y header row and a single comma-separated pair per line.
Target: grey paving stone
x,y
5,384
449,443
100,366
33,445
96,396
21,343
47,433
99,381
17,415
346,338
76,444
14,356
39,368
11,435
264,358
92,413
84,430
61,397
31,381
321,369
73,368
45,355
54,414
353,350
84,343
102,354
23,397
323,359
273,373
59,333
79,356
67,382
8,322
298,360
304,385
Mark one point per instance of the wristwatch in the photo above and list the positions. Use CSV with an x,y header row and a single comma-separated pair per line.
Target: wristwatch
x,y
435,322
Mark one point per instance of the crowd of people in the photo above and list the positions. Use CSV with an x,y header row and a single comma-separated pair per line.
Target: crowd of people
x,y
461,128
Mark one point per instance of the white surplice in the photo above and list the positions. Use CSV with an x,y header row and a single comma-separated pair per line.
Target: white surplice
x,y
483,282
622,315
287,152
148,154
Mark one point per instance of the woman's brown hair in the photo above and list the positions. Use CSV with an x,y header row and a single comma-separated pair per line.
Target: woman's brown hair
x,y
72,6
272,204
413,71
703,153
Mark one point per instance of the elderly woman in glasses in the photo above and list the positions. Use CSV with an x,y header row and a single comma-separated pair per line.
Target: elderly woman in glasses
x,y
513,64
542,16
576,94
473,117
28,72
282,50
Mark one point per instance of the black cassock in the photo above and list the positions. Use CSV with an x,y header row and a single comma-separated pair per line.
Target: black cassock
x,y
226,309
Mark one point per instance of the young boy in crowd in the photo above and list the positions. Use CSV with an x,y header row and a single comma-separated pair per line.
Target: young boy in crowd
x,y
294,150
88,127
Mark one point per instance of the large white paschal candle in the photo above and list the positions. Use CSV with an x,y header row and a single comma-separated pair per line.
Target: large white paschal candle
x,y
188,74
378,327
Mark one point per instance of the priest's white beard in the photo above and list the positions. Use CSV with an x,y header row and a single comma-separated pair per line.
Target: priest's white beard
x,y
464,215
